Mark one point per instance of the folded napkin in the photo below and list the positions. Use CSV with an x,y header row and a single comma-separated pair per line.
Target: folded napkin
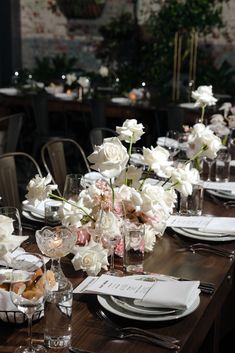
x,y
167,142
170,294
137,158
223,225
39,209
7,309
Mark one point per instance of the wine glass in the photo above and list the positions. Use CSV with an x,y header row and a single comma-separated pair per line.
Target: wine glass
x,y
13,213
172,143
73,186
209,163
28,291
55,243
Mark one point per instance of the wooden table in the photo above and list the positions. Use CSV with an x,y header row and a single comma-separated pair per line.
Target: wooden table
x,y
198,332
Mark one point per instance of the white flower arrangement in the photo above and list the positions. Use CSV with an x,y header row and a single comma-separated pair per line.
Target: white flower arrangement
x,y
204,97
102,206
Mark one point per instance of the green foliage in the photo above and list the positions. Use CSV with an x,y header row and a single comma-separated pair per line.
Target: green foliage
x,y
50,69
135,58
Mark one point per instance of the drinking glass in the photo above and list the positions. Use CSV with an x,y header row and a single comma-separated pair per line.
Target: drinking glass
x,y
55,243
73,186
13,213
222,165
133,257
28,291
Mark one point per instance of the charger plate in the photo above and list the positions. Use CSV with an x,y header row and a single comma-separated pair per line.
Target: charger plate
x,y
107,303
202,235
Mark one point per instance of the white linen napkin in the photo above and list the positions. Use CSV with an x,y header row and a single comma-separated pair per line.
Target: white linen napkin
x,y
39,209
171,294
6,305
223,225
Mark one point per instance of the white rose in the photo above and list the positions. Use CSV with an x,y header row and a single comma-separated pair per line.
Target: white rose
x,y
204,96
149,238
219,129
103,71
6,226
130,131
157,159
226,108
108,224
217,118
127,193
91,258
132,174
200,136
183,178
110,158
154,196
39,188
70,79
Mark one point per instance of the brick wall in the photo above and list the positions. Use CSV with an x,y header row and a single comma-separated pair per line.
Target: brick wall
x,y
45,33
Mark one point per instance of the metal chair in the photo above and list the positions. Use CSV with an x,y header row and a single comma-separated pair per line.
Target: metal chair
x,y
63,156
14,176
10,126
98,134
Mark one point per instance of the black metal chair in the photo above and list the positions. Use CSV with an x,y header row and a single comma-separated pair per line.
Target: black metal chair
x,y
98,134
10,128
63,156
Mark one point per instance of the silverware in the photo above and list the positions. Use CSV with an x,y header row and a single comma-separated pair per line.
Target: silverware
x,y
78,350
136,332
204,247
118,333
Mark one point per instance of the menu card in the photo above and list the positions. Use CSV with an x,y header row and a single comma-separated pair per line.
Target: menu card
x,y
146,290
204,223
188,221
112,285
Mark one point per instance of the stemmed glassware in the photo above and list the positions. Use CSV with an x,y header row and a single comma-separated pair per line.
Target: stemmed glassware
x,y
28,291
209,163
55,243
73,186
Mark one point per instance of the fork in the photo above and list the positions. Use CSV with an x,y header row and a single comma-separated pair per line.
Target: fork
x,y
118,333
205,247
134,330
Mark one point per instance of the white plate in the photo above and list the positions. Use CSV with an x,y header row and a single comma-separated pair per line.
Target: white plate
x,y
189,105
128,304
107,303
11,91
222,194
203,237
121,100
65,96
29,216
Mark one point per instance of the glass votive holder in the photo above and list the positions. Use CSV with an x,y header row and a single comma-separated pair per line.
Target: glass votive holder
x,y
53,212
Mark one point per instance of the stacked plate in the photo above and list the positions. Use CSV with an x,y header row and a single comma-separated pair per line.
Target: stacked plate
x,y
33,213
196,233
225,194
127,308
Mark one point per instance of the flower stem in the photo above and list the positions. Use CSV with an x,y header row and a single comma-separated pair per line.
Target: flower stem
x,y
56,197
111,185
203,113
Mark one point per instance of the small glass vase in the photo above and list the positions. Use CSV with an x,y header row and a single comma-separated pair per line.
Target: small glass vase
x,y
192,205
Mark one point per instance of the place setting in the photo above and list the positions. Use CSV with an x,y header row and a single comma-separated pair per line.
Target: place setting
x,y
206,228
149,298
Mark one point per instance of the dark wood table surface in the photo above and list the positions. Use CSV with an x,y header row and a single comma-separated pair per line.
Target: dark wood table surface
x,y
198,332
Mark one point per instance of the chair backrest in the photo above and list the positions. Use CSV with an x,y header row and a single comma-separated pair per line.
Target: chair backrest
x,y
98,134
10,127
14,176
58,155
